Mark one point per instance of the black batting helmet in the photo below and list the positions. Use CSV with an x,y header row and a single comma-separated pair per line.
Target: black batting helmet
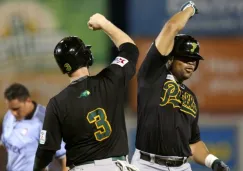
x,y
186,46
71,54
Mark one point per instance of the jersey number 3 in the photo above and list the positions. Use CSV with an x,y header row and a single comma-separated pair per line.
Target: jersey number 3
x,y
99,118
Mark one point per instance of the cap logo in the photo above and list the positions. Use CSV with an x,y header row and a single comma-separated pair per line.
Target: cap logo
x,y
194,46
67,67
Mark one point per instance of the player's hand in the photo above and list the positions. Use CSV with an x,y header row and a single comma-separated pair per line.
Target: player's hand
x,y
96,21
219,165
125,166
190,4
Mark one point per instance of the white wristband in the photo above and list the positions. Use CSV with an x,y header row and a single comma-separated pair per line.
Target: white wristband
x,y
209,160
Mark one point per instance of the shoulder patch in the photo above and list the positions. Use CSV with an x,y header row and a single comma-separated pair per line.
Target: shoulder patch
x,y
120,61
42,136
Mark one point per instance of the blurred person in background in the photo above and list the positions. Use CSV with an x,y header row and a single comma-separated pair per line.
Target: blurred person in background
x,y
21,129
168,112
89,113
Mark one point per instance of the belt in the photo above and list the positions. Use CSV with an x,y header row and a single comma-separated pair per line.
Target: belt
x,y
92,162
170,162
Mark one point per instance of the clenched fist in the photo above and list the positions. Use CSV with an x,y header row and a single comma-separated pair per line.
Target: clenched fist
x,y
190,4
96,21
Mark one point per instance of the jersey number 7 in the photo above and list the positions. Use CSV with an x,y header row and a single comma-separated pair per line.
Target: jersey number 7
x,y
99,118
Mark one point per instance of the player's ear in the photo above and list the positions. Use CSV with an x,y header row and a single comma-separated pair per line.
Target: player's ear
x,y
28,100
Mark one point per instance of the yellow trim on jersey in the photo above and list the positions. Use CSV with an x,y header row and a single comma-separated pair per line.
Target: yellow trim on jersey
x,y
172,91
171,95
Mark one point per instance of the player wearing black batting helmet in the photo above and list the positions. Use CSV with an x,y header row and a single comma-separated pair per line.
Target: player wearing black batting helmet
x,y
89,114
168,111
71,54
186,46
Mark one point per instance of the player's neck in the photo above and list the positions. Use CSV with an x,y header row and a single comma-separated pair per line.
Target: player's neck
x,y
179,81
31,107
81,72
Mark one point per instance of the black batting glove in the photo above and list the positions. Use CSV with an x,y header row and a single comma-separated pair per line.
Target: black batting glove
x,y
219,165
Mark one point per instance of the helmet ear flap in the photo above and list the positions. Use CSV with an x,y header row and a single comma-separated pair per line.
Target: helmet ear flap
x,y
89,56
91,60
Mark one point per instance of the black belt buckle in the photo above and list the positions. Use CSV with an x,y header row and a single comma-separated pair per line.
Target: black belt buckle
x,y
175,163
171,163
167,163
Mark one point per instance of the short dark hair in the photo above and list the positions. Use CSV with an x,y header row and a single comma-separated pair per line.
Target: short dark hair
x,y
16,91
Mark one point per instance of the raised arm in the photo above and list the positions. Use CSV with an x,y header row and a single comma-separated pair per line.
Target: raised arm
x,y
98,22
158,54
165,40
123,68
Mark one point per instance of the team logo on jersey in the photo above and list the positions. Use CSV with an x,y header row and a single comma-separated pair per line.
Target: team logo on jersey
x,y
43,137
120,61
84,94
188,104
173,95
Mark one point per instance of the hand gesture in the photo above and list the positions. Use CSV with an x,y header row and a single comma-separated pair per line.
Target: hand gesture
x,y
96,21
190,4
